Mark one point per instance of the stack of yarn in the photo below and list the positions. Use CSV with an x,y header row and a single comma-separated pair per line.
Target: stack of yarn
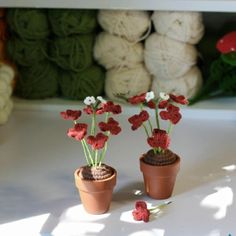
x,y
170,52
119,50
7,75
27,47
71,49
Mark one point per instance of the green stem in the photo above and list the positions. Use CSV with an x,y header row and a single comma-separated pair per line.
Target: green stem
x,y
103,154
93,126
170,127
96,158
159,207
157,117
146,130
87,151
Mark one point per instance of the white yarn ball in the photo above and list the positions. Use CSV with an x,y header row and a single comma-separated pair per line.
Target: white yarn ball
x,y
187,27
5,88
4,97
127,82
115,52
7,73
6,111
125,23
188,85
168,58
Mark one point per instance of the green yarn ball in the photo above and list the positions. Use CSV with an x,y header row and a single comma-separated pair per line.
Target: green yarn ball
x,y
37,82
26,52
28,23
73,53
89,82
65,22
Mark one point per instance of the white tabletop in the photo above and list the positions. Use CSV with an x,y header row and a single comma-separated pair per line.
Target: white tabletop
x,y
38,196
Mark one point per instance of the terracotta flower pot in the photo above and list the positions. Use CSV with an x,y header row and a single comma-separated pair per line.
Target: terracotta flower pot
x,y
159,181
95,195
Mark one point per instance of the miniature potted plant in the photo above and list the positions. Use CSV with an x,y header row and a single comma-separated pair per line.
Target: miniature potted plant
x,y
159,165
95,180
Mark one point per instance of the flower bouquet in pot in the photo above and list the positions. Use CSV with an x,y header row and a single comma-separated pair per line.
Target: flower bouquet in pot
x,y
95,180
159,165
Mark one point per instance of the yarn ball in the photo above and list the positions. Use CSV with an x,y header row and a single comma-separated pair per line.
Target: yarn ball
x,y
28,23
5,88
65,22
127,82
38,81
4,97
115,52
6,111
26,52
89,82
168,58
73,53
188,85
7,73
125,23
186,27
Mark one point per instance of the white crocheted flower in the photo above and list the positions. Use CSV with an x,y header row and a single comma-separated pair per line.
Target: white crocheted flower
x,y
89,100
101,99
149,96
164,96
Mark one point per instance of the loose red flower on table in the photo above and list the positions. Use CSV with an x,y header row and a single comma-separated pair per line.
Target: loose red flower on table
x,y
71,114
112,126
137,99
172,114
141,213
78,132
160,139
137,120
98,141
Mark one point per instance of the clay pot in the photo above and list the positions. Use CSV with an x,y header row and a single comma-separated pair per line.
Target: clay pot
x,y
95,195
159,181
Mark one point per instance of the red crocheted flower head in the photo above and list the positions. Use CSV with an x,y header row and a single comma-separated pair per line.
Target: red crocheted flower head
x,y
111,107
78,132
71,114
137,120
141,213
172,114
179,99
227,43
98,141
159,139
137,99
111,126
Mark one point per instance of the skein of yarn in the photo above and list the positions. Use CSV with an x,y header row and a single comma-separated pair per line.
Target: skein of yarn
x,y
66,22
114,52
127,82
37,81
26,52
168,58
29,24
73,53
125,23
188,85
186,27
89,82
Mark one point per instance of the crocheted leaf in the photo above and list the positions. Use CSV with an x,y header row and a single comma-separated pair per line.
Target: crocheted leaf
x,y
229,58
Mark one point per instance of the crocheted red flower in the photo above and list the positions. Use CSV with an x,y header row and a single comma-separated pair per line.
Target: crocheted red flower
x,y
172,114
227,43
78,132
159,139
112,126
137,120
98,141
71,114
141,212
111,107
137,99
179,99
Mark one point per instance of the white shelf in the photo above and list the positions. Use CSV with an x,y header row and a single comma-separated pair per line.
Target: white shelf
x,y
177,5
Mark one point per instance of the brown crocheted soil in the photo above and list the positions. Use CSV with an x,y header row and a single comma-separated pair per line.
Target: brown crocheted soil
x,y
96,173
160,159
